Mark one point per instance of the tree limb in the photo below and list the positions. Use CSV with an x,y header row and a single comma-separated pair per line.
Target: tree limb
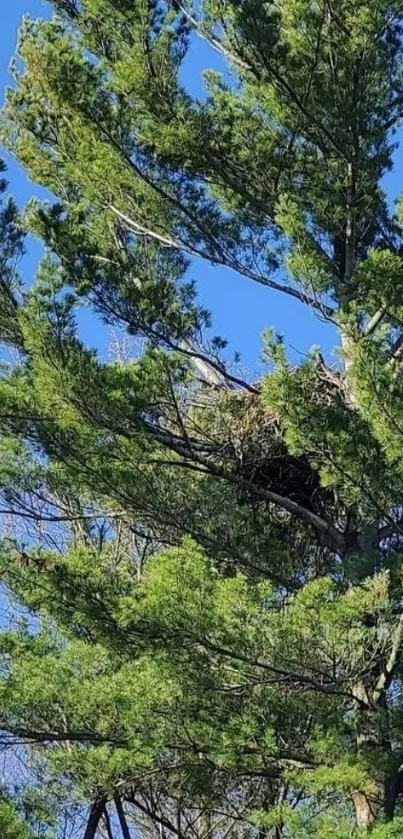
x,y
96,812
108,825
122,817
387,673
334,536
297,294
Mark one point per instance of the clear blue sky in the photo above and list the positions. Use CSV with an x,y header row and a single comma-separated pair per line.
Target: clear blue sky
x,y
241,309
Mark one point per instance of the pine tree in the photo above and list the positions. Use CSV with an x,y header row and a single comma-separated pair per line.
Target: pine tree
x,y
213,567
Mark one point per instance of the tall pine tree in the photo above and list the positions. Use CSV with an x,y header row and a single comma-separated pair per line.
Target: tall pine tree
x,y
212,567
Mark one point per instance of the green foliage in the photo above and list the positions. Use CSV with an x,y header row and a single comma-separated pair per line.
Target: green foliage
x,y
209,570
15,826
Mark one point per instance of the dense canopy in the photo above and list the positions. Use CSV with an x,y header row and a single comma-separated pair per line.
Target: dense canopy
x,y
204,571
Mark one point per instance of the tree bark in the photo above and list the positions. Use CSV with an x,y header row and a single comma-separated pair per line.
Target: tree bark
x,y
96,812
108,825
122,818
372,740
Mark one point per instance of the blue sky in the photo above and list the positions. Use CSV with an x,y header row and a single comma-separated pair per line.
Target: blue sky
x,y
241,309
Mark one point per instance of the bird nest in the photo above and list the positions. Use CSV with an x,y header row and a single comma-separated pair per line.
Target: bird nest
x,y
255,445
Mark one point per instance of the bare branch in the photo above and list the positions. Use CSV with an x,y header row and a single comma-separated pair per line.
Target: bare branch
x,y
374,322
327,311
217,45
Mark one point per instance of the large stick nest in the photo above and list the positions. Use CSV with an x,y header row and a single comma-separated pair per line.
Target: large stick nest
x,y
254,443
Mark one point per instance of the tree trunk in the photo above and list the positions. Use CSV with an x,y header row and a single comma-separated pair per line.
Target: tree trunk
x,y
95,815
122,818
372,740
